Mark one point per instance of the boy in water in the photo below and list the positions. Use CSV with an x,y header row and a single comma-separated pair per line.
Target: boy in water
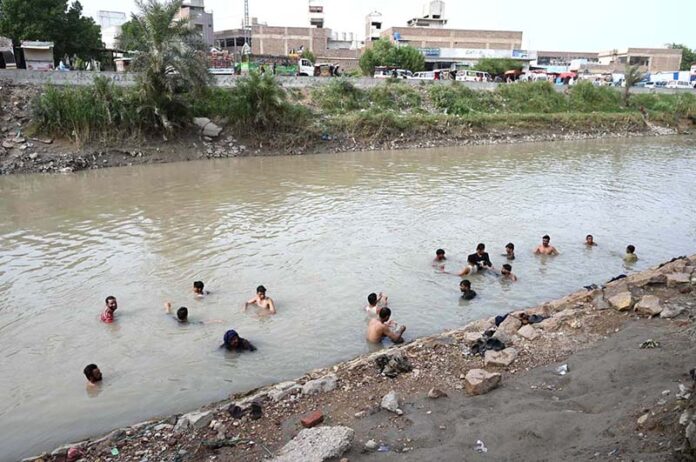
x,y
589,241
467,292
375,302
546,248
440,258
261,301
182,315
481,257
509,251
630,256
107,315
198,289
93,374
377,329
233,342
471,266
506,272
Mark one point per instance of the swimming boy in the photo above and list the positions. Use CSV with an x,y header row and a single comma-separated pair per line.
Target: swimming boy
x,y
233,342
440,258
375,303
481,257
630,256
107,315
546,248
182,315
471,266
93,374
198,289
379,328
509,251
261,301
589,241
467,292
506,273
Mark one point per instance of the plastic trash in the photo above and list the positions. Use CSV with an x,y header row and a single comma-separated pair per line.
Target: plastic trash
x,y
383,448
114,451
480,447
562,369
649,344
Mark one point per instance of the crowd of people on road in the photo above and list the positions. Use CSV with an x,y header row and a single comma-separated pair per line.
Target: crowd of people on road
x,y
380,324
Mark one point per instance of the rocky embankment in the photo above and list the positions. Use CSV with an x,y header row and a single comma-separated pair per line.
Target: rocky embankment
x,y
601,374
21,152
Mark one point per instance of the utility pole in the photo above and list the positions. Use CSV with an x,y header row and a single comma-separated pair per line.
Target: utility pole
x,y
247,26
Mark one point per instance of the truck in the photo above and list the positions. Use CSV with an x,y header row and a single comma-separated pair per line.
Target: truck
x,y
277,65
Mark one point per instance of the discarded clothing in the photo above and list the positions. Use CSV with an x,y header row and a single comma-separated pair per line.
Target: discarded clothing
x,y
499,319
620,276
484,344
392,365
591,287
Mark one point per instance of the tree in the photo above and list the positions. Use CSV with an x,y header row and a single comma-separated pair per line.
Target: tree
x,y
306,54
132,37
632,75
51,20
688,55
385,53
172,63
498,66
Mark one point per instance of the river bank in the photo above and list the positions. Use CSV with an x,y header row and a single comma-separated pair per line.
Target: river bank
x,y
23,150
626,391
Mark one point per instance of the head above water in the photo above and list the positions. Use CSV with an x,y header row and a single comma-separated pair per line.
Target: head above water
x,y
230,339
465,285
471,259
111,303
372,299
507,269
545,240
92,373
198,287
510,246
261,291
630,249
182,314
589,239
481,248
440,254
384,314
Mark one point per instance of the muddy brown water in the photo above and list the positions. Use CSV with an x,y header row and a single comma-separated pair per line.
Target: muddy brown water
x,y
320,232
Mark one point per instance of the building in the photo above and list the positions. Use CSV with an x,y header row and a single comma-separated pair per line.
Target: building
x,y
373,27
38,56
433,16
110,23
194,11
647,59
7,58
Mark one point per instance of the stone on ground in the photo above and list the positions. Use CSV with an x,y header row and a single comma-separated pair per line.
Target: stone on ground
x,y
675,279
670,312
201,122
316,445
435,393
479,381
500,358
510,325
196,419
211,130
528,332
390,402
649,305
313,419
622,301
323,384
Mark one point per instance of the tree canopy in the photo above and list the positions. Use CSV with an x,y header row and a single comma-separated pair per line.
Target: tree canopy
x,y
51,20
688,56
385,53
498,66
132,37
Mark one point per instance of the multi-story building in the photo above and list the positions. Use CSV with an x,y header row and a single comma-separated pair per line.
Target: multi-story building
x,y
647,59
194,11
110,23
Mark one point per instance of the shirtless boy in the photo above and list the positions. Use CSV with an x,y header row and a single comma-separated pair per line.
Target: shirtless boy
x,y
261,301
377,329
546,248
375,303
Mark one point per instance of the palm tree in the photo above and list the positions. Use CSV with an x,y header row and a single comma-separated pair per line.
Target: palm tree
x,y
632,75
171,64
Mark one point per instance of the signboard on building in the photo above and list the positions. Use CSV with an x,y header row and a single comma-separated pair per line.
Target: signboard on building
x,y
430,52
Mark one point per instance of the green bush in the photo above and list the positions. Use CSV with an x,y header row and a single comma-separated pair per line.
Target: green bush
x,y
394,95
339,95
458,99
537,97
586,97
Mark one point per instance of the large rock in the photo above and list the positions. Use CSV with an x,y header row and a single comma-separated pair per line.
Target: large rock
x,y
500,358
550,324
195,420
528,332
390,402
201,122
479,381
649,305
470,338
316,445
480,325
284,389
211,130
675,279
669,312
622,301
323,384
509,326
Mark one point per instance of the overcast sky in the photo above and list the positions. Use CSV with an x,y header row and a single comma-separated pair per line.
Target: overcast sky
x,y
584,25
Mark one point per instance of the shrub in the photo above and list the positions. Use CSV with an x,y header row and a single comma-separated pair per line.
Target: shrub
x,y
537,97
586,97
339,95
458,99
394,95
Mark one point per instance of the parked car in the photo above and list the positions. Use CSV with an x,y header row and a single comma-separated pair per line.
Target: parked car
x,y
650,85
679,85
388,72
464,75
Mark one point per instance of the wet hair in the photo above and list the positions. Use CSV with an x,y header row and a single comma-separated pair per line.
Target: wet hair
x,y
384,313
631,249
465,283
439,252
182,313
261,289
89,370
372,298
198,285
507,267
546,236
589,235
110,297
471,259
481,247
510,245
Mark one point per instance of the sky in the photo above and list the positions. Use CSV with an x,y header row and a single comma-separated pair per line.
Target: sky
x,y
586,25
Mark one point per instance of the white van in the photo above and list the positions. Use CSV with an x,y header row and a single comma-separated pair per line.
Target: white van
x,y
679,84
464,75
424,75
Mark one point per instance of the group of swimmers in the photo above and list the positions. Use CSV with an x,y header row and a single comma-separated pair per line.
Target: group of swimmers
x,y
380,324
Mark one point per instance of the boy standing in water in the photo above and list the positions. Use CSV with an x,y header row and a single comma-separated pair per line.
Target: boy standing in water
x,y
377,329
107,315
93,374
509,251
198,289
440,258
630,256
546,248
261,301
375,303
467,292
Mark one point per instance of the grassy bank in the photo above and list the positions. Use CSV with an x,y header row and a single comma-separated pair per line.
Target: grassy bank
x,y
259,110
